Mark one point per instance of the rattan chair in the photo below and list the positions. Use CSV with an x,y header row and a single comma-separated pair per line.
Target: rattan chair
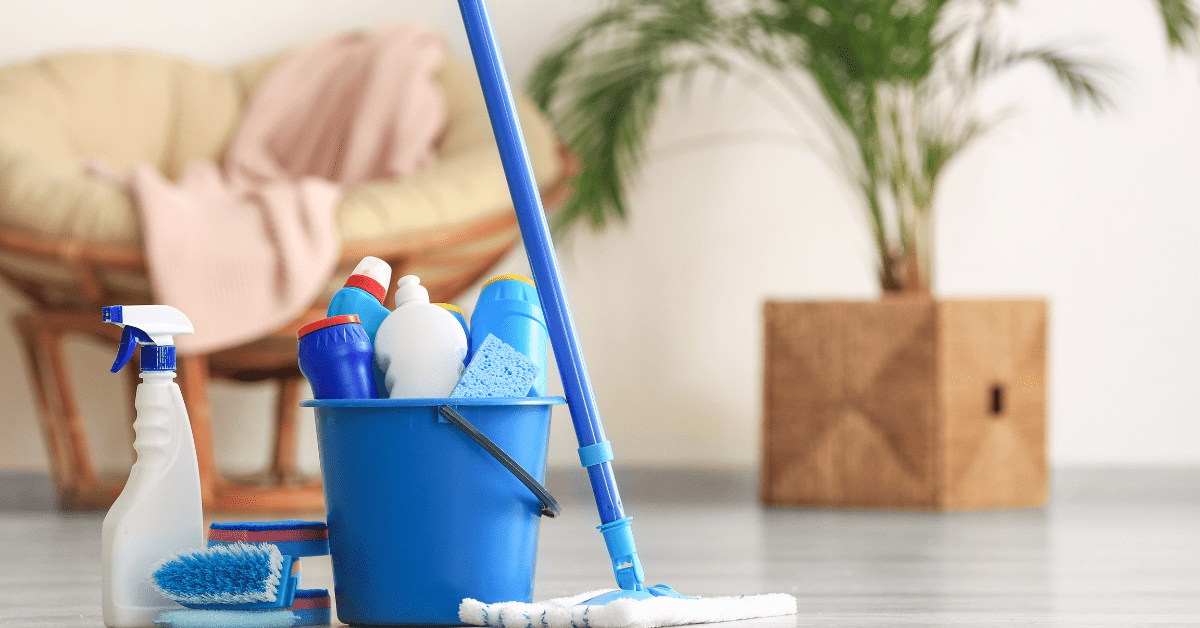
x,y
71,243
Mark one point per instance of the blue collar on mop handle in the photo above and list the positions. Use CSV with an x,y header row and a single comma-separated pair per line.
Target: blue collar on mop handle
x,y
539,247
619,539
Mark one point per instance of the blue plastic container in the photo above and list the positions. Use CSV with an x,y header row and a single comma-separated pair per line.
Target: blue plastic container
x,y
338,358
363,297
508,308
420,516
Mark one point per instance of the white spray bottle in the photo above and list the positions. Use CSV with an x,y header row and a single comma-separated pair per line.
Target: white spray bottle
x,y
159,512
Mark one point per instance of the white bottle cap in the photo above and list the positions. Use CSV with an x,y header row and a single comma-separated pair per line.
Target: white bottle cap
x,y
376,269
409,288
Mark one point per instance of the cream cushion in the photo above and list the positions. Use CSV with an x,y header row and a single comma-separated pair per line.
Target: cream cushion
x,y
129,107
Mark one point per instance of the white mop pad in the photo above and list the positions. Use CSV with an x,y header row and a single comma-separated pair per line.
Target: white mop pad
x,y
563,612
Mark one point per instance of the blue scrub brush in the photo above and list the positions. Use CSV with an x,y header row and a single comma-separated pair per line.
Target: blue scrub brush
x,y
236,576
234,584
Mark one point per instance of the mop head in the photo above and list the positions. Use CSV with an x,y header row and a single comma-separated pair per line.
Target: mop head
x,y
567,612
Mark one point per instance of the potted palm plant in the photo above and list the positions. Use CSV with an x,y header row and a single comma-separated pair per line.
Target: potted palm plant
x,y
910,402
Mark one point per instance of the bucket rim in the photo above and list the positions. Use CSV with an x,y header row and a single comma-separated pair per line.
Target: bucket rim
x,y
432,402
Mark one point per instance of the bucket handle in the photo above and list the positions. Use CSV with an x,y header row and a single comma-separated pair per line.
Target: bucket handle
x,y
549,504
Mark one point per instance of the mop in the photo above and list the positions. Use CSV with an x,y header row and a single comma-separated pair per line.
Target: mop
x,y
634,604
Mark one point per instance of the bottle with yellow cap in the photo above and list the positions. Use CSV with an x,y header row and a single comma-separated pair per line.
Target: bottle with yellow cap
x,y
462,320
509,308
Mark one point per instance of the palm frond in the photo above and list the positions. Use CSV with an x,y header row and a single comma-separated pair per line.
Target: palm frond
x,y
890,81
603,87
1179,22
1080,77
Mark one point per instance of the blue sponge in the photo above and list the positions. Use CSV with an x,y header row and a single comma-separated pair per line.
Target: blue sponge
x,y
293,537
312,608
279,618
496,370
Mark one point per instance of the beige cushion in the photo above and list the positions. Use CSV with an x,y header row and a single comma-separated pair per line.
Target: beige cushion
x,y
122,107
127,107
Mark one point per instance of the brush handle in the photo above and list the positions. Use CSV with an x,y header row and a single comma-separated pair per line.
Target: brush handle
x,y
540,249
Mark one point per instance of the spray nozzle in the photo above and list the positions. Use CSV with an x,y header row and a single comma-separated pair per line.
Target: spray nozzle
x,y
154,327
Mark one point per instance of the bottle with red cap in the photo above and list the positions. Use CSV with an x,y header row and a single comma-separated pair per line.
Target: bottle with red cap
x,y
336,357
363,296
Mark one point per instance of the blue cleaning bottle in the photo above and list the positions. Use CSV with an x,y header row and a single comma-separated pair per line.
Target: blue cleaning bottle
x,y
337,358
508,308
363,296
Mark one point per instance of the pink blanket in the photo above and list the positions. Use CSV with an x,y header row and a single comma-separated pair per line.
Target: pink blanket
x,y
244,252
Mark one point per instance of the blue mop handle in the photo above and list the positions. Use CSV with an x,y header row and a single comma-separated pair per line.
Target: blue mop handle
x,y
594,451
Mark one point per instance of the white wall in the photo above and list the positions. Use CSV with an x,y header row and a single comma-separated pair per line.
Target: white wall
x,y
1095,212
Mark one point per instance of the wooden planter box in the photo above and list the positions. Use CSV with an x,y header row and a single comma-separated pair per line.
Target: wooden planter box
x,y
905,403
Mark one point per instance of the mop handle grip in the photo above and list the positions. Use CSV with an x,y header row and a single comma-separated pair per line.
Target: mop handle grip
x,y
539,247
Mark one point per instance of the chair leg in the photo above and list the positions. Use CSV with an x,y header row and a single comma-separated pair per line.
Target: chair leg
x,y
283,459
79,487
54,427
193,382
50,345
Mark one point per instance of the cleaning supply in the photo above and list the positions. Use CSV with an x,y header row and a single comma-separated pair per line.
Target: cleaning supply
x,y
293,537
420,515
572,612
496,370
337,357
236,576
247,565
595,452
420,347
363,296
462,320
159,512
508,308
550,507
193,618
310,608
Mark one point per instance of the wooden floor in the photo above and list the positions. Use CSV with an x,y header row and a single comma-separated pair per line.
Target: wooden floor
x,y
1114,548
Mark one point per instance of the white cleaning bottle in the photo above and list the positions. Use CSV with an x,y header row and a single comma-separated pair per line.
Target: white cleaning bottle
x,y
420,347
159,512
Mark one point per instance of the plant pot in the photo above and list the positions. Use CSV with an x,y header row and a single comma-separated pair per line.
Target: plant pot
x,y
905,403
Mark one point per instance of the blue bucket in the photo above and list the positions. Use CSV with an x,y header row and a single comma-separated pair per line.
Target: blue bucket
x,y
420,516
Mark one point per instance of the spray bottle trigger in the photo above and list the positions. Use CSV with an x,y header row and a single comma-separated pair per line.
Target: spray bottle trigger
x,y
130,338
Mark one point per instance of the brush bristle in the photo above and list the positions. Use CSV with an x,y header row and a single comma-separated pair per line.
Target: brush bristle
x,y
239,573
